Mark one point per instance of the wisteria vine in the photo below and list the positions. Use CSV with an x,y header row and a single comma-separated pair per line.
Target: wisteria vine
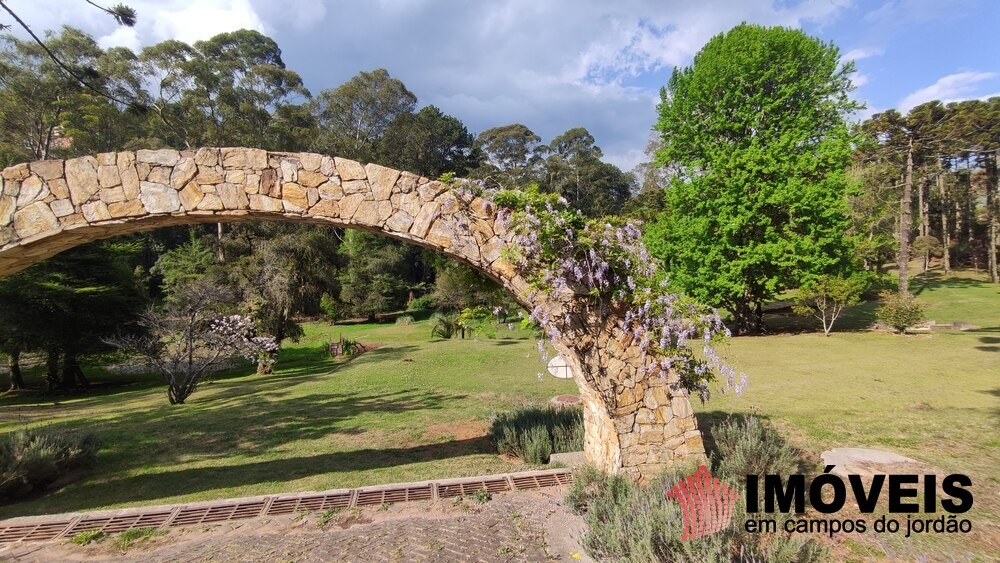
x,y
237,334
607,263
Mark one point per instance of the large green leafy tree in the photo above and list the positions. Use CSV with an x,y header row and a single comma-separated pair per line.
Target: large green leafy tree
x,y
281,270
39,101
755,131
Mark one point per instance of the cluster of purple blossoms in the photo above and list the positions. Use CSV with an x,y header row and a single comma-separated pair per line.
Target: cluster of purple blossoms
x,y
237,334
563,252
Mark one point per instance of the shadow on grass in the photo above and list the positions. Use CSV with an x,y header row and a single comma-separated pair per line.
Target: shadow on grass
x,y
937,280
152,486
293,363
995,411
781,320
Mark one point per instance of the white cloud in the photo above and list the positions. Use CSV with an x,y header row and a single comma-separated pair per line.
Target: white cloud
x,y
861,53
194,21
551,65
953,87
859,79
158,20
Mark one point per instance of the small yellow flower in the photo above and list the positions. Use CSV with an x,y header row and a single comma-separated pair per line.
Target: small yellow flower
x,y
576,556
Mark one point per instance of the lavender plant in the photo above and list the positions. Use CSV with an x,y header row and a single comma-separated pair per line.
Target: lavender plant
x,y
606,266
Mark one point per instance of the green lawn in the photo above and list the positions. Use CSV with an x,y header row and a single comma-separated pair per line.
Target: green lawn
x,y
412,409
415,408
933,397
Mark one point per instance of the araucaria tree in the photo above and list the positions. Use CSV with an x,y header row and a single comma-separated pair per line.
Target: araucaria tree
x,y
755,136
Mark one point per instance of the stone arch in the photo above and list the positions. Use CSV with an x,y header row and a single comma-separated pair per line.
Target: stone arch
x,y
635,423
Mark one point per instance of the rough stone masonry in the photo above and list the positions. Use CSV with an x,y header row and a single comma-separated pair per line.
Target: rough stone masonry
x,y
636,423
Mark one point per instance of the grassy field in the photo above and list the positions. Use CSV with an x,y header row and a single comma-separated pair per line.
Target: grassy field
x,y
934,397
412,409
416,408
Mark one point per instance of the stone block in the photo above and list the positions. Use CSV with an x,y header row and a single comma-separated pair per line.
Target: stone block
x,y
349,170
108,176
289,170
295,195
159,198
400,221
34,219
206,157
159,175
47,169
130,182
21,171
330,190
327,167
430,190
356,187
191,196
8,205
326,208
209,175
95,211
310,161
266,204
125,159
422,222
211,202
382,180
232,196
32,188
131,208
81,176
112,195
185,170
349,205
162,157
311,179
142,169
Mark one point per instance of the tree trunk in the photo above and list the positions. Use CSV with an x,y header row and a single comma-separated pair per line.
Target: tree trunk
x,y
14,363
922,229
945,235
992,191
52,370
220,253
905,222
744,317
72,372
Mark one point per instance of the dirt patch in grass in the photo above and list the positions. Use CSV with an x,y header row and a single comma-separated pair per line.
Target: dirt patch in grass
x,y
459,430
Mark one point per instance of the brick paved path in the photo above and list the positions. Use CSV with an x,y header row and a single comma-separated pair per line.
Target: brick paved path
x,y
522,526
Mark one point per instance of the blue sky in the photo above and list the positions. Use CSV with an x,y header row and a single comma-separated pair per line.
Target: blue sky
x,y
558,64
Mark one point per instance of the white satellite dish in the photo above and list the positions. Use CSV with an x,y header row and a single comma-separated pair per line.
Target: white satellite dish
x,y
559,368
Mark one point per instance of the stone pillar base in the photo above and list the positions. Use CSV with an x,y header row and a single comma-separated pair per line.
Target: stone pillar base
x,y
644,437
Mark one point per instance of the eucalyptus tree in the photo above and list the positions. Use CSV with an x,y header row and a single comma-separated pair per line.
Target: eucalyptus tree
x,y
223,91
428,142
353,117
575,171
513,155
